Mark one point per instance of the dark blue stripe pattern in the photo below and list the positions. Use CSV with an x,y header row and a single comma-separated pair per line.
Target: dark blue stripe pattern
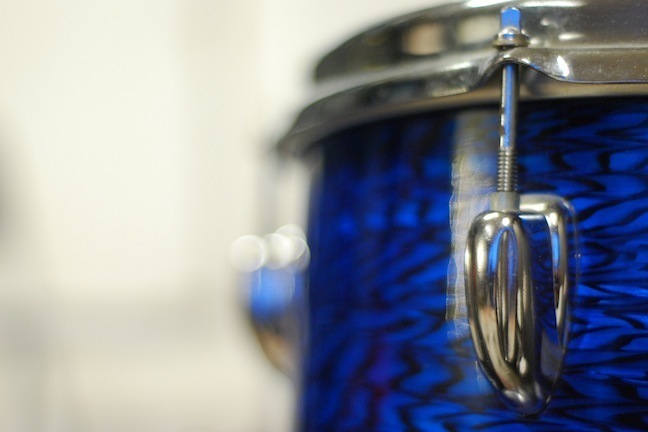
x,y
383,356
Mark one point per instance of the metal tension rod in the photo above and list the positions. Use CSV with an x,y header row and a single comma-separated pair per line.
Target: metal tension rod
x,y
510,35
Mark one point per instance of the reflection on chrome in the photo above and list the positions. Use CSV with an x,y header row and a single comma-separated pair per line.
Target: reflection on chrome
x,y
248,253
563,66
483,3
273,286
554,3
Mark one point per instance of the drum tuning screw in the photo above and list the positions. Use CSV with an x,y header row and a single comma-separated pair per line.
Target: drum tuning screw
x,y
510,36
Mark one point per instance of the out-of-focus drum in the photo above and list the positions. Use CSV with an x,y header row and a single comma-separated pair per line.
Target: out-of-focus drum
x,y
427,310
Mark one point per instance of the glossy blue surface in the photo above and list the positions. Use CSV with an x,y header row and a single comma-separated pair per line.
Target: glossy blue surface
x,y
384,354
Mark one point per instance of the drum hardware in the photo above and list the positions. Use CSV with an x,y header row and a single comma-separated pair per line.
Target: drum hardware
x,y
399,127
575,51
519,350
272,269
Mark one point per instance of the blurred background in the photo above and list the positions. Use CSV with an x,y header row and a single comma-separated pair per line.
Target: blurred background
x,y
133,136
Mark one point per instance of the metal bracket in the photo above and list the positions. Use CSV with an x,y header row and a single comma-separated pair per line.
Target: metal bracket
x,y
273,287
517,288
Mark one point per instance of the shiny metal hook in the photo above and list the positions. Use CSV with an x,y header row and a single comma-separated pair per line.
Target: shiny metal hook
x,y
517,256
518,279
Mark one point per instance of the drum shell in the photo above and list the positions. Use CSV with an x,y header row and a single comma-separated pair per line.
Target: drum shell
x,y
389,346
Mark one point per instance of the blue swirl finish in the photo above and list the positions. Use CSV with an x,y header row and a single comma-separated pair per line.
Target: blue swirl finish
x,y
385,350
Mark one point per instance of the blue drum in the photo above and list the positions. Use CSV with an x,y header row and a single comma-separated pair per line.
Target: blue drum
x,y
478,223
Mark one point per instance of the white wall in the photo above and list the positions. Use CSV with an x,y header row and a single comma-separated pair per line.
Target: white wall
x,y
132,135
